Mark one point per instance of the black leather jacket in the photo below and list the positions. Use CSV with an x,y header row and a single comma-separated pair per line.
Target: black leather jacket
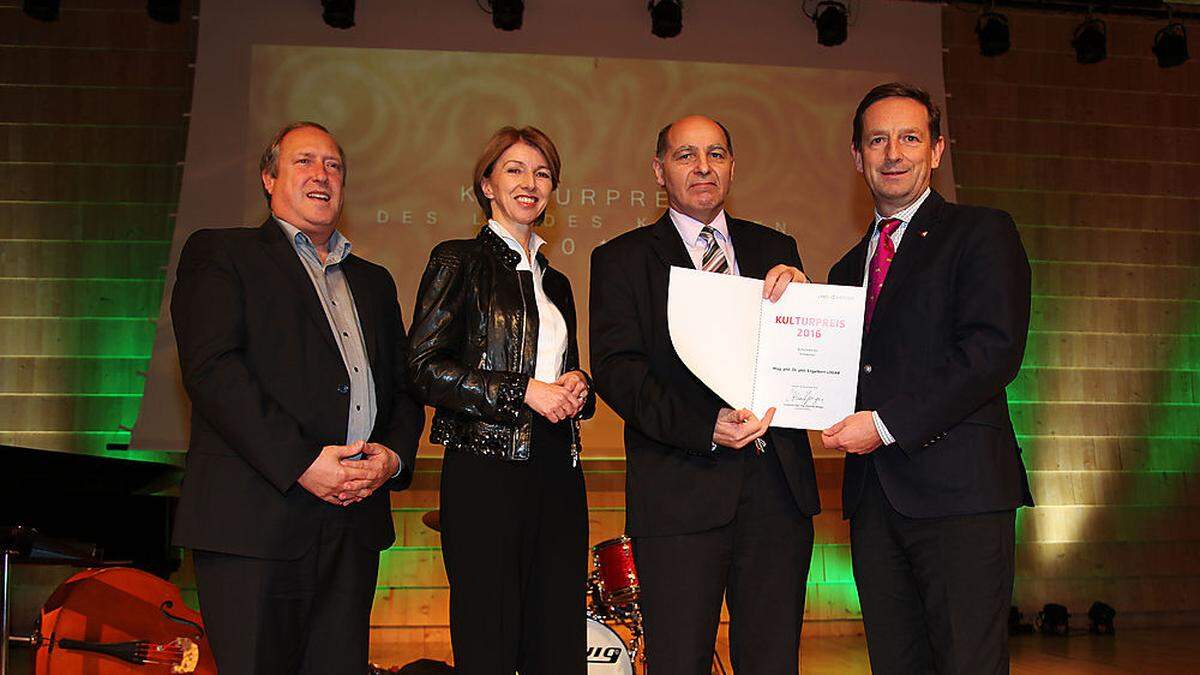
x,y
473,346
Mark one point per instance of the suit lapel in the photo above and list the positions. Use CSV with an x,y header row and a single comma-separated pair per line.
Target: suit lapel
x,y
750,258
856,261
364,305
283,254
912,249
668,245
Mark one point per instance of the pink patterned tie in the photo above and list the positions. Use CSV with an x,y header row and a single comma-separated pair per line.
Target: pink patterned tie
x,y
885,250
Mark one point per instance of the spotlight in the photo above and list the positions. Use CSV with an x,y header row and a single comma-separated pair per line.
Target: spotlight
x,y
42,10
1170,45
831,17
338,13
1054,619
1015,627
666,17
1090,41
992,31
163,11
507,14
1101,617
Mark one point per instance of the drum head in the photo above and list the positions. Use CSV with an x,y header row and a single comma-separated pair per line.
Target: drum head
x,y
606,652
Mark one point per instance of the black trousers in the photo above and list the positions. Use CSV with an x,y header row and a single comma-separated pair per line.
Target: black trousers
x,y
935,592
309,616
514,542
758,563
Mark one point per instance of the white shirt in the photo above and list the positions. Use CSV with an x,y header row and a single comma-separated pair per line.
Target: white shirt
x,y
552,328
689,230
904,215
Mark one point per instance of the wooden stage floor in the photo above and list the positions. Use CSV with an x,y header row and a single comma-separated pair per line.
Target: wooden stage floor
x,y
1167,651
1163,651
1159,651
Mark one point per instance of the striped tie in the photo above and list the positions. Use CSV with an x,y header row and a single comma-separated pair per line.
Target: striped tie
x,y
714,259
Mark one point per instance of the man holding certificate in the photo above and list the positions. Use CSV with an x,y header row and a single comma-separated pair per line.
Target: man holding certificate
x,y
719,505
933,473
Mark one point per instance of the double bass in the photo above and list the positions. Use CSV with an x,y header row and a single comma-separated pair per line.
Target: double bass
x,y
119,621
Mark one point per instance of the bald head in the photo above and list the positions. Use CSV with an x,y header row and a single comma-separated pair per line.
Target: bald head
x,y
694,164
663,144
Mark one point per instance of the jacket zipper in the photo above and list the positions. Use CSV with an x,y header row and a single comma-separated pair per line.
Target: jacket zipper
x,y
521,355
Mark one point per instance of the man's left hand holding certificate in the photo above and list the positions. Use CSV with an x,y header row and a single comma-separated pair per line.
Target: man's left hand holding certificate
x,y
798,355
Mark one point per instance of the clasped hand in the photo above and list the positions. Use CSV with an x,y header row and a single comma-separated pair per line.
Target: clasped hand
x,y
559,401
339,480
738,428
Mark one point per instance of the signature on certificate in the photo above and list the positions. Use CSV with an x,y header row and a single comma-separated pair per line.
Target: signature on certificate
x,y
806,398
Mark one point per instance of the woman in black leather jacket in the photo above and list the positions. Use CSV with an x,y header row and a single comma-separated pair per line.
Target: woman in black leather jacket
x,y
493,349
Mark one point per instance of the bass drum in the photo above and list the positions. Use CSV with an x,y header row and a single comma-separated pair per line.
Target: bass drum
x,y
606,651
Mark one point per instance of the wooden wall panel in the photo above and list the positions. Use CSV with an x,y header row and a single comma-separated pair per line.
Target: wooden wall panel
x,y
137,183
1035,172
93,104
1072,139
1054,104
92,132
1151,280
79,297
1116,348
1100,245
89,66
1090,209
83,221
97,144
85,259
76,336
31,374
123,26
1098,166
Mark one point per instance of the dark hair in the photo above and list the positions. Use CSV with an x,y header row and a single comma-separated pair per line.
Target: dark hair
x,y
897,90
502,140
662,145
269,162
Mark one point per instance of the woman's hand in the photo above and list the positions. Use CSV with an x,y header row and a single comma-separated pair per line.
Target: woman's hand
x,y
575,383
552,401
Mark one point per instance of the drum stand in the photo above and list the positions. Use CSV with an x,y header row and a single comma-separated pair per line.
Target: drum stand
x,y
4,609
627,614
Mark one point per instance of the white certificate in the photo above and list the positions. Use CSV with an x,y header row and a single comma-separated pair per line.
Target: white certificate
x,y
799,355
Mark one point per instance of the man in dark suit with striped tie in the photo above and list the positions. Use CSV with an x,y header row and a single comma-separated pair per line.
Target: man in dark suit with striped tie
x,y
719,504
933,473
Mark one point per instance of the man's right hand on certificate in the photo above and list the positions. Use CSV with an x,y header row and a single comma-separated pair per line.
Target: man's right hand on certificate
x,y
778,279
738,428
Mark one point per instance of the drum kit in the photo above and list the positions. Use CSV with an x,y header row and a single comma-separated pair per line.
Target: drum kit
x,y
613,592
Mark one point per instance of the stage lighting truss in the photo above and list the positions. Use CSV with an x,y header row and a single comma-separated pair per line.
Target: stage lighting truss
x,y
506,14
831,18
1054,619
42,10
1090,41
992,31
163,11
666,17
338,13
1170,45
1100,618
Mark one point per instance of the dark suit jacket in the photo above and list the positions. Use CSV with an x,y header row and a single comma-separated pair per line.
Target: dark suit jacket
x,y
673,483
269,389
948,334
